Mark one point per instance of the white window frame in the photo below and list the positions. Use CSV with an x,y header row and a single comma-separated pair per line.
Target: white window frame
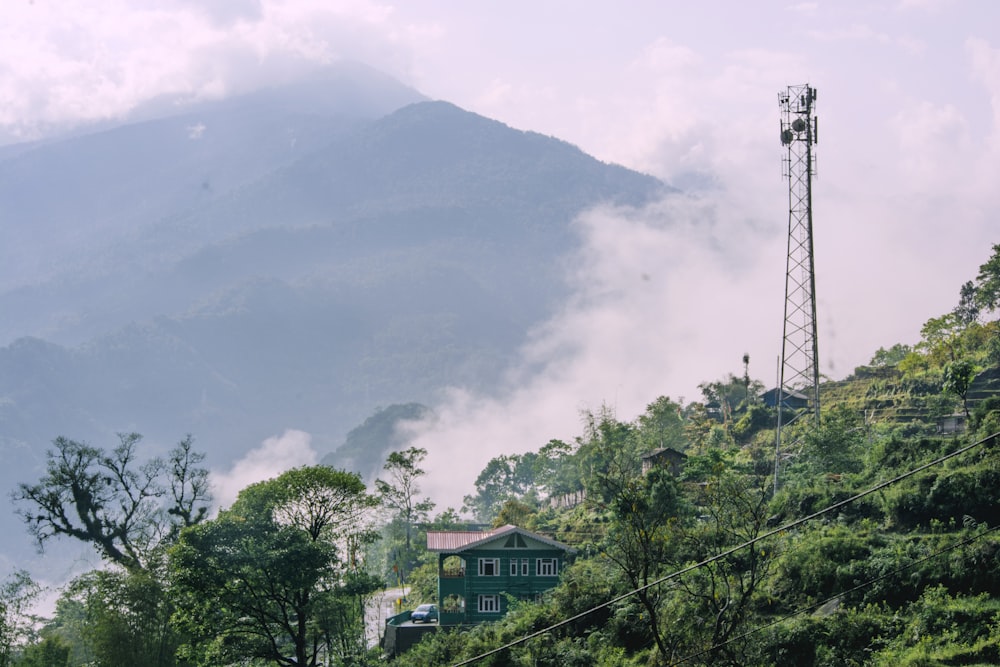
x,y
493,562
547,567
489,604
524,567
513,567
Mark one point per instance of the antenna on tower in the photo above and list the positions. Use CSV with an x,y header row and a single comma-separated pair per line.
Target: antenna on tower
x,y
798,383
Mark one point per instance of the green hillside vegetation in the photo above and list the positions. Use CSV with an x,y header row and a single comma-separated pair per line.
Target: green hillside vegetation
x,y
878,546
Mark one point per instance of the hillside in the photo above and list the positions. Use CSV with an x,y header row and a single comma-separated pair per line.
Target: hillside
x,y
878,545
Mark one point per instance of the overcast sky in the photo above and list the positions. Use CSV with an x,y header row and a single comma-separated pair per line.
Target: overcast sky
x,y
905,203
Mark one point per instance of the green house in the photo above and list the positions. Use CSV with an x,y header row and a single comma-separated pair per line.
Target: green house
x,y
477,569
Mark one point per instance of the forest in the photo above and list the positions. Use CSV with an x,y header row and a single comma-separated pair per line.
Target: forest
x,y
867,538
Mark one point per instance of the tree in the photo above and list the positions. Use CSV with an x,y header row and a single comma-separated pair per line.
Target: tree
x,y
50,652
270,578
401,492
505,477
554,470
730,394
189,486
958,376
125,617
608,444
645,511
988,282
121,507
834,446
967,310
939,336
884,358
17,593
662,425
712,605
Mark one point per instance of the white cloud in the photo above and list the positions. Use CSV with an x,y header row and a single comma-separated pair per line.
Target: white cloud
x,y
926,5
274,456
805,7
665,298
62,63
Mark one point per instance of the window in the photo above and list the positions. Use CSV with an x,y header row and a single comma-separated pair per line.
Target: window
x,y
489,604
489,567
547,567
513,567
524,567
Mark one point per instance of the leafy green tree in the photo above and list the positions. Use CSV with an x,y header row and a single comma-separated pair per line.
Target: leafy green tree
x,y
988,282
124,508
662,425
711,606
17,593
50,652
967,310
607,444
939,337
401,492
555,472
757,418
731,394
835,445
957,379
884,358
505,477
270,578
515,513
125,618
645,510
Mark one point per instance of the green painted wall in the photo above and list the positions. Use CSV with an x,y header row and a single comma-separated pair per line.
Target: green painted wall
x,y
472,585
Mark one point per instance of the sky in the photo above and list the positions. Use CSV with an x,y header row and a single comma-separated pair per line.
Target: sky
x,y
905,199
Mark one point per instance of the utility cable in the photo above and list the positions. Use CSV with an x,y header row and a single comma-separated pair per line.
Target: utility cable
x,y
731,551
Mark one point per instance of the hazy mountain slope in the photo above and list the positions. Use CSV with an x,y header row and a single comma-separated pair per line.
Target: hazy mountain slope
x,y
308,302
80,211
400,255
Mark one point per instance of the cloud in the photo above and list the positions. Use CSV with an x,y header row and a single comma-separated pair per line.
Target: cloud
x,y
274,456
926,5
74,61
985,61
809,8
664,298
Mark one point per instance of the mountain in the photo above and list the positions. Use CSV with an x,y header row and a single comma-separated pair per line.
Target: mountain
x,y
294,258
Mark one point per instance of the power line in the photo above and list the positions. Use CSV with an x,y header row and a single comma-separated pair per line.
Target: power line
x,y
731,551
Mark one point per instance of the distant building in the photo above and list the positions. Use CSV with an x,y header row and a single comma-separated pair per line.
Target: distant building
x,y
664,457
477,569
790,399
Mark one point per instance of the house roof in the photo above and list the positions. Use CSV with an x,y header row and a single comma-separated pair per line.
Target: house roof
x,y
456,541
664,451
788,393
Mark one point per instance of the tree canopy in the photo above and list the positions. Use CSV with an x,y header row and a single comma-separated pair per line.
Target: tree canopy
x,y
265,578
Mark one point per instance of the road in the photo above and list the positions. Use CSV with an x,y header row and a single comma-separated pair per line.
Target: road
x,y
381,607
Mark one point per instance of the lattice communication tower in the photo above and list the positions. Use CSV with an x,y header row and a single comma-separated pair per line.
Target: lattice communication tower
x,y
799,374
